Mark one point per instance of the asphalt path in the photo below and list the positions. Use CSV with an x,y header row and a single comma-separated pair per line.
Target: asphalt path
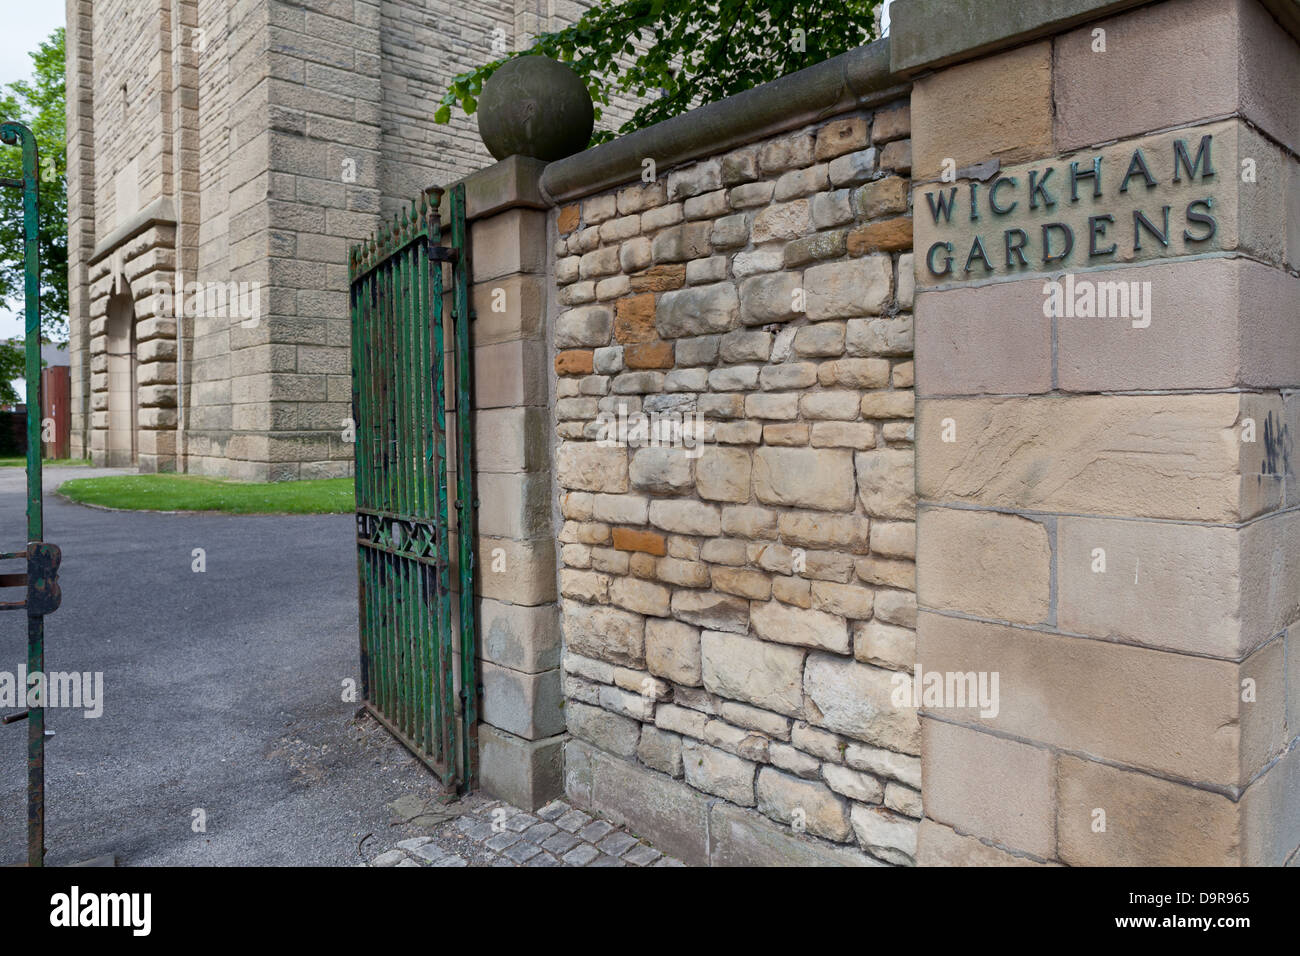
x,y
222,691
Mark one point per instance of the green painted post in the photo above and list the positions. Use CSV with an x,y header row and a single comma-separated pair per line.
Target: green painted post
x,y
359,467
465,501
15,134
447,737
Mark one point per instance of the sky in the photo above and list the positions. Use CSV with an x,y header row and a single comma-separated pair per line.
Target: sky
x,y
26,25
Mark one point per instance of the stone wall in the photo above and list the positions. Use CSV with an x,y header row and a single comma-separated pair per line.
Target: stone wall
x,y
734,613
231,97
421,47
127,149
130,75
1108,518
1092,520
80,121
228,366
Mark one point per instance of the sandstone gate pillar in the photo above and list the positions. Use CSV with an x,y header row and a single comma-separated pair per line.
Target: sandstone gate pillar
x,y
1107,327
522,730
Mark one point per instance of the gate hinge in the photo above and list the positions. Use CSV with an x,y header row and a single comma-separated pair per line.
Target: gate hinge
x,y
43,593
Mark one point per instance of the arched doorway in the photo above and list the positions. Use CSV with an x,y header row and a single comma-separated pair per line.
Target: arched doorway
x,y
121,381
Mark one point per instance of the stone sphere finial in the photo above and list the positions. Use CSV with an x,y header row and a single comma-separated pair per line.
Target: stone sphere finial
x,y
535,106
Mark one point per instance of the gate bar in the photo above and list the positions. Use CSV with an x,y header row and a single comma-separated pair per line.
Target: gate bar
x,y
465,503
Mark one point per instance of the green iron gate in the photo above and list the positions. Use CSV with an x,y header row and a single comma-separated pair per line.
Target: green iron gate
x,y
418,656
41,578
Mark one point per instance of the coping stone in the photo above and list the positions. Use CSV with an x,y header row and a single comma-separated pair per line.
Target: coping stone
x,y
929,34
859,77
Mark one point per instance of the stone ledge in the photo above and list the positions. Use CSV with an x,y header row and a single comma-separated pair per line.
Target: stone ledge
x,y
929,34
860,77
160,212
509,184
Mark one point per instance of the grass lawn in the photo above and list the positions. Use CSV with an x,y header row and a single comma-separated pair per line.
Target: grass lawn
x,y
193,493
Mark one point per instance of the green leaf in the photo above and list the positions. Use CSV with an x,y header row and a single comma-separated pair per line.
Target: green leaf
x,y
697,53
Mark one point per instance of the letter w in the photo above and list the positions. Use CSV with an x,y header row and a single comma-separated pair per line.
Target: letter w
x,y
944,205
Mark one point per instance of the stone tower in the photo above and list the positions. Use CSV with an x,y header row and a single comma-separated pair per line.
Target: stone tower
x,y
222,156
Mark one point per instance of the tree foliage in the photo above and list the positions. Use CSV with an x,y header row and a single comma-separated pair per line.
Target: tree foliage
x,y
684,53
39,104
13,365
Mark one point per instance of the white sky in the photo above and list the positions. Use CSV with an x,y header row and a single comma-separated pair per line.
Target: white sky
x,y
27,23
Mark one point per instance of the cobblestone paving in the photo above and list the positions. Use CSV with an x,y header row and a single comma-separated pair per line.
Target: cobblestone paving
x,y
489,832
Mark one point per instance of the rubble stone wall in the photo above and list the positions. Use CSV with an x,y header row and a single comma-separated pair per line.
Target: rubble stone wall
x,y
736,603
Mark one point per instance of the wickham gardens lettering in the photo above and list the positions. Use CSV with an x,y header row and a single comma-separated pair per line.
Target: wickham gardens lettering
x,y
1004,242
